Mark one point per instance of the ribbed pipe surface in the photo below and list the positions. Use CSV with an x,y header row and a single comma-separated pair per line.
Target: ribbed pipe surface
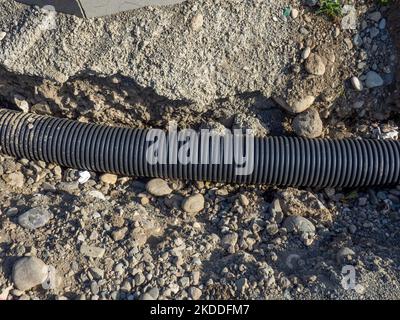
x,y
283,161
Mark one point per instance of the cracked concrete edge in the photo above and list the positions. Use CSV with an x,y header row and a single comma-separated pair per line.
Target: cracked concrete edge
x,y
96,8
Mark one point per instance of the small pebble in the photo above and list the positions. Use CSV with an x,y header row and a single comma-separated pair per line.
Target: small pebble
x,y
375,16
109,178
244,200
84,177
96,194
119,234
373,80
276,211
272,229
306,53
92,251
21,103
193,204
382,24
144,201
294,13
229,241
195,293
158,187
362,201
357,85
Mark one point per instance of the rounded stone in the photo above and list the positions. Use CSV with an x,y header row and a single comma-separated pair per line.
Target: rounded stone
x,y
29,272
295,105
244,200
158,187
373,80
294,13
299,224
193,204
375,16
357,85
302,104
34,218
308,124
109,178
306,53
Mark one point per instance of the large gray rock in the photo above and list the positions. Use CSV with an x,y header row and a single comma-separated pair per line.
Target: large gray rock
x,y
308,124
34,218
298,224
29,272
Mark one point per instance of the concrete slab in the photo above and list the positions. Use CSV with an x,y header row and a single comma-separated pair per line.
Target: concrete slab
x,y
97,8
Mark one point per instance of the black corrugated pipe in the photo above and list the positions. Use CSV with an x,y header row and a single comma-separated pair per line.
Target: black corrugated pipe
x,y
283,161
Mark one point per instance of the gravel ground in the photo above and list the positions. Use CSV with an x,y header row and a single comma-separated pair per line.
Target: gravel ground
x,y
277,67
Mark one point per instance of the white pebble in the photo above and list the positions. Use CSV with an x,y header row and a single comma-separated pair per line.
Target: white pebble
x,y
356,84
306,53
294,13
84,176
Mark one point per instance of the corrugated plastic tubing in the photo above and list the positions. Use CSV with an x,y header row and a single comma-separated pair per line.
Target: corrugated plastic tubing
x,y
283,161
